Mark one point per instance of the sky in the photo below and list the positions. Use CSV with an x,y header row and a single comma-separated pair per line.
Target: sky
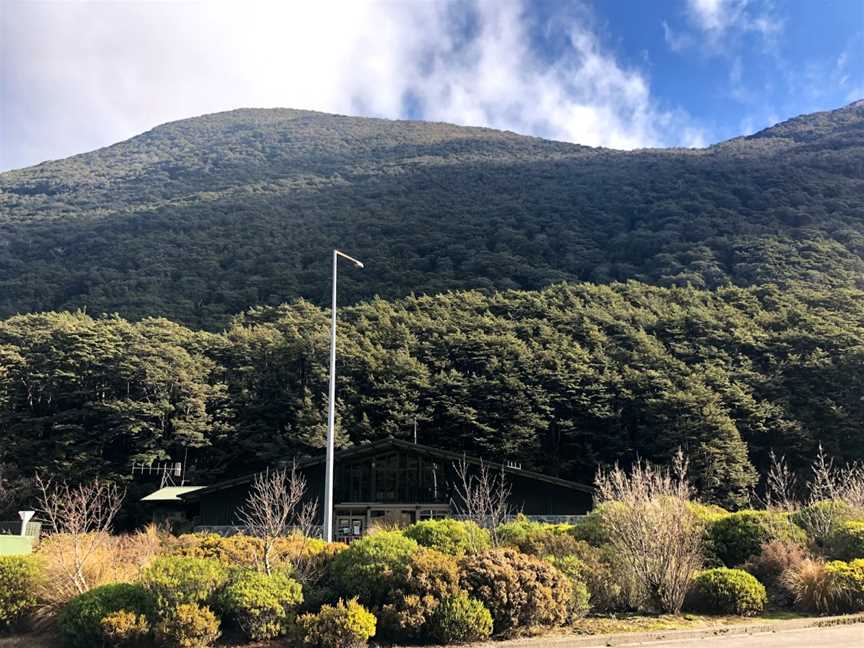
x,y
76,75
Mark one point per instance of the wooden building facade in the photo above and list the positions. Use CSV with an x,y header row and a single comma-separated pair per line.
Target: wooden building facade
x,y
395,482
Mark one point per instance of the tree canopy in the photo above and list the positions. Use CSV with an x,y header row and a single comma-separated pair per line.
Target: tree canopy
x,y
561,380
200,219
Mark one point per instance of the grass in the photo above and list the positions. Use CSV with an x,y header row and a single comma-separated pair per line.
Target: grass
x,y
595,625
26,641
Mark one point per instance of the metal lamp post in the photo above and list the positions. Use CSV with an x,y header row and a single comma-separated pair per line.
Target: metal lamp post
x,y
331,408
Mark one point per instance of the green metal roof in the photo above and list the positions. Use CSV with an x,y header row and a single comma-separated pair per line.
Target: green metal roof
x,y
170,493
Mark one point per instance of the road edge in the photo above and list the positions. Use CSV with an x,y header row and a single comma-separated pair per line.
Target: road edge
x,y
631,638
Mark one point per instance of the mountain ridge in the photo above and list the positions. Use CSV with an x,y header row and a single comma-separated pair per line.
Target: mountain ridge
x,y
201,218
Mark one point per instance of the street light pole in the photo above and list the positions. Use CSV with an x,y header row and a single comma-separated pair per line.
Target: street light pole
x,y
331,406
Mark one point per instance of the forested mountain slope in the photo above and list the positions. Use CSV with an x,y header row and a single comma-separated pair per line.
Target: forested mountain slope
x,y
560,380
199,219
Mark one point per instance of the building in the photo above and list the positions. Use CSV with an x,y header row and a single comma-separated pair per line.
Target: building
x,y
165,506
394,482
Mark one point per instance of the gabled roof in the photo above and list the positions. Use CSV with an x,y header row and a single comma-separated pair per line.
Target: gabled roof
x,y
170,493
369,449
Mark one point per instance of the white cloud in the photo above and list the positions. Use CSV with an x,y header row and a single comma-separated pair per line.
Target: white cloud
x,y
75,75
714,26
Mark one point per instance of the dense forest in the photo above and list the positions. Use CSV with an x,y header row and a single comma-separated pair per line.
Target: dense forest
x,y
561,379
200,219
524,300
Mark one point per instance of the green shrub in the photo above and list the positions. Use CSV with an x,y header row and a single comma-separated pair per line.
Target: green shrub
x,y
341,626
607,592
233,550
175,580
188,625
707,515
17,590
369,566
80,620
726,591
821,519
262,605
847,585
738,536
591,528
536,538
431,576
846,542
518,590
461,619
574,569
317,575
450,536
125,628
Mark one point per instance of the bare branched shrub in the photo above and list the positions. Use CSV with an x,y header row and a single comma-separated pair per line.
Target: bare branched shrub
x,y
781,486
82,516
272,509
114,559
653,531
833,493
483,496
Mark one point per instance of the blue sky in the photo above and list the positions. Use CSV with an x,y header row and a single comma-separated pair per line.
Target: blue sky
x,y
76,75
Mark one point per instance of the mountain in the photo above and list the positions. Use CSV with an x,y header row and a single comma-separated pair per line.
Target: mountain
x,y
202,218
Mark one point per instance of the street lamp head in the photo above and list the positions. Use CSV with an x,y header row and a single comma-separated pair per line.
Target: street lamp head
x,y
339,253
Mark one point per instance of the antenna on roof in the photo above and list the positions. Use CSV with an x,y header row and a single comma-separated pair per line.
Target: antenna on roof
x,y
168,472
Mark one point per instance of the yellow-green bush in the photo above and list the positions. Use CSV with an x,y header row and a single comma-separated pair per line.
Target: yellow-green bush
x,y
519,590
80,620
726,591
187,625
17,590
738,536
826,588
344,625
847,584
125,629
369,566
430,577
460,619
175,580
262,605
450,536
536,538
574,569
821,519
315,572
846,542
591,528
594,567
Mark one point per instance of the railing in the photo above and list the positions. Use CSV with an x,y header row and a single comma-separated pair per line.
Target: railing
x,y
32,530
227,530
546,519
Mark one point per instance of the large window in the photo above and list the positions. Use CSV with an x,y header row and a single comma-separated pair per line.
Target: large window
x,y
387,478
392,478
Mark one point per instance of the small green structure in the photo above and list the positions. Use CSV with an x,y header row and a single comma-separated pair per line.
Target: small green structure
x,y
12,545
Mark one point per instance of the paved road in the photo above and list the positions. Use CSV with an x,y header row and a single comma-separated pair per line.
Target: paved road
x,y
848,636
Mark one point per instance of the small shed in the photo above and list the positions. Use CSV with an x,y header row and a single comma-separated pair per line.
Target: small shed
x,y
166,505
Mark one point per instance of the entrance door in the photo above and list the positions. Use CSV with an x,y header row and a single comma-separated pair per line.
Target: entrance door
x,y
349,525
